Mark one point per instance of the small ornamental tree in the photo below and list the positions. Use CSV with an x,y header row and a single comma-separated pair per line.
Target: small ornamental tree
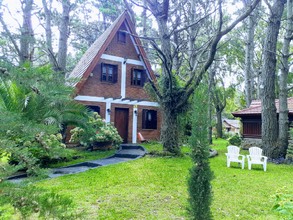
x,y
199,186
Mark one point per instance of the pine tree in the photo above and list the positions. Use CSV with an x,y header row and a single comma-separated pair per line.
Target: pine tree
x,y
200,191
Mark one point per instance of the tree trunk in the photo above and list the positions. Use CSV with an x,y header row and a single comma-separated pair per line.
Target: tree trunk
x,y
64,34
169,131
144,26
269,115
48,30
283,105
249,57
192,33
219,123
27,34
210,127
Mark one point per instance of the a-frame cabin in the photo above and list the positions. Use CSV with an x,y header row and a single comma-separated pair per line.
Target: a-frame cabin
x,y
110,78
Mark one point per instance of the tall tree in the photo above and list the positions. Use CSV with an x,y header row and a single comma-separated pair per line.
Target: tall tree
x,y
171,95
219,101
199,183
64,35
269,114
27,34
25,47
283,79
47,5
249,55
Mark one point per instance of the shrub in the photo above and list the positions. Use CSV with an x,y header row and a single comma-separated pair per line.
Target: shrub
x,y
199,182
96,131
28,200
284,203
235,140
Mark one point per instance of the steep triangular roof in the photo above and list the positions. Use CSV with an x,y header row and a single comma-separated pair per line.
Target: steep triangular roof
x,y
255,108
88,61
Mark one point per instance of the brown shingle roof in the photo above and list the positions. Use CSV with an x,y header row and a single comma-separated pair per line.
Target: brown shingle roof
x,y
255,108
87,63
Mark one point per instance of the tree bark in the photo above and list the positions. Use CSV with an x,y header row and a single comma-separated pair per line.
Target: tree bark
x,y
269,115
219,123
210,127
249,57
283,79
48,30
169,131
27,33
64,34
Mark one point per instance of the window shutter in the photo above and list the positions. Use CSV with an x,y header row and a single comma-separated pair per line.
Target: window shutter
x,y
115,74
131,76
144,118
154,119
102,66
143,77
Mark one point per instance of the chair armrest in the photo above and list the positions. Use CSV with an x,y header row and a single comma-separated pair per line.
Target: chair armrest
x,y
243,157
264,158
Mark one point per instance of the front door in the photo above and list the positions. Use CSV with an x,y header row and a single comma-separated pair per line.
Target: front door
x,y
121,122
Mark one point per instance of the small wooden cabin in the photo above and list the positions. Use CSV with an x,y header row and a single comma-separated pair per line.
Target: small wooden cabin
x,y
251,118
231,126
110,78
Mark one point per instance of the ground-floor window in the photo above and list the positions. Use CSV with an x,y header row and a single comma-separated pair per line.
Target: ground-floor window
x,y
94,108
149,119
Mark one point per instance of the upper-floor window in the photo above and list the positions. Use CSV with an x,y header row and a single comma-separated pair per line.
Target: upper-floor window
x,y
121,35
149,119
109,73
138,77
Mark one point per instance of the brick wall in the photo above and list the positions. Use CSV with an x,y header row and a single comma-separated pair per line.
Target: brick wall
x,y
125,50
134,92
149,134
95,87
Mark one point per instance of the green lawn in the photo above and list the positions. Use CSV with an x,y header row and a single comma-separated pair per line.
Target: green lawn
x,y
156,188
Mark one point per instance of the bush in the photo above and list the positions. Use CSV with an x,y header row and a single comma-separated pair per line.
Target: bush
x,y
284,203
28,201
199,182
97,131
235,140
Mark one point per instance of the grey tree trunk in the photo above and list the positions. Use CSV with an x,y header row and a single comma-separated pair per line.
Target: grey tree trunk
x,y
192,33
27,34
48,18
144,26
210,127
219,123
269,115
169,131
64,34
249,57
283,79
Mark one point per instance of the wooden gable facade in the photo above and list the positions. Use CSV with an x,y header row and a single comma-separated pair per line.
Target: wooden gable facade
x,y
110,78
251,118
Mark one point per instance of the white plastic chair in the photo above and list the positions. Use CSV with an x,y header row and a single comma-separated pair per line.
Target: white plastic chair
x,y
255,157
234,156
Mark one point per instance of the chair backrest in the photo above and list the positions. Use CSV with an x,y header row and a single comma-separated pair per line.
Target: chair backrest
x,y
233,151
255,152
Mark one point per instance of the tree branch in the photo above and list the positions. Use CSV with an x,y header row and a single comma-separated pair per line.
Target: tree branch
x,y
213,49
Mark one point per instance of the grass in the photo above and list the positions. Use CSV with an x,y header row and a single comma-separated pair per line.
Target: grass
x,y
156,188
83,155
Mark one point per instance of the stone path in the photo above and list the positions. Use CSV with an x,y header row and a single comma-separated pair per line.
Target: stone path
x,y
125,153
